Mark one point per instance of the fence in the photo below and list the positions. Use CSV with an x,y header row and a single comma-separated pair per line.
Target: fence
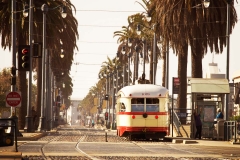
x,y
230,131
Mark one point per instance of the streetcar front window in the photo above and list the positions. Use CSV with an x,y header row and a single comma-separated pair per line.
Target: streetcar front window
x,y
152,108
152,105
137,105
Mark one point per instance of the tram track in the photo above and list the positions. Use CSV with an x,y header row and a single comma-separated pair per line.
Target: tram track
x,y
59,136
92,144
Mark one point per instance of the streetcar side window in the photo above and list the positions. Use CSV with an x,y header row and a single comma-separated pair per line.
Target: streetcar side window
x,y
152,105
123,107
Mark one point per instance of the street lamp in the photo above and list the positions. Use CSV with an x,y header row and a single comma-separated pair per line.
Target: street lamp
x,y
129,55
42,122
123,74
142,54
29,119
13,43
25,10
154,57
206,4
113,99
62,54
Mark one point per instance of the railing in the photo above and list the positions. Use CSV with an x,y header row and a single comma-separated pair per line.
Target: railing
x,y
230,130
176,122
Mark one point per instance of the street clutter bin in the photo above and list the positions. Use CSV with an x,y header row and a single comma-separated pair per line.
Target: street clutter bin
x,y
218,131
6,139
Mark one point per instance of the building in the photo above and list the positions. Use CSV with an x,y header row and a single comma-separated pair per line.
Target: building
x,y
73,113
236,96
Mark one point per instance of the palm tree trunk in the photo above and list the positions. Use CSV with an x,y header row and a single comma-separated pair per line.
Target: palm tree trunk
x,y
182,74
163,68
197,61
151,67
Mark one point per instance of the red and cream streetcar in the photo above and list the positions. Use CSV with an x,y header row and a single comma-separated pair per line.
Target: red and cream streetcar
x,y
142,112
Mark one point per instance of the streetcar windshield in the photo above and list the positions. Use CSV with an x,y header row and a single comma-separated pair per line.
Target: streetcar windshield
x,y
152,104
152,108
137,105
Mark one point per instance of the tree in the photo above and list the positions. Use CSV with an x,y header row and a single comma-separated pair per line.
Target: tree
x,y
5,77
139,43
61,34
181,23
5,86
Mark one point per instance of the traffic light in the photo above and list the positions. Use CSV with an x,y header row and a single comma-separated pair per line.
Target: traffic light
x,y
106,115
13,76
24,57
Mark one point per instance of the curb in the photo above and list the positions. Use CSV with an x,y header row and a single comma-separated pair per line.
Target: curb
x,y
32,138
11,155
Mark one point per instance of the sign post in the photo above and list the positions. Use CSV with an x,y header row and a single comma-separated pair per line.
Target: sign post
x,y
13,99
175,89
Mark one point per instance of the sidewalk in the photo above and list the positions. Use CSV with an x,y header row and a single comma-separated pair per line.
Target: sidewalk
x,y
204,142
9,152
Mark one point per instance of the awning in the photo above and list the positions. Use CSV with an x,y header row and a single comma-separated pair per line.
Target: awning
x,y
207,85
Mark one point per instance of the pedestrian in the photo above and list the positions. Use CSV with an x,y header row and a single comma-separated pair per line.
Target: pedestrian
x,y
198,124
219,114
93,123
102,122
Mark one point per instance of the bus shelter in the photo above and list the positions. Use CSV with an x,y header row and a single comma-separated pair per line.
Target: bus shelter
x,y
207,95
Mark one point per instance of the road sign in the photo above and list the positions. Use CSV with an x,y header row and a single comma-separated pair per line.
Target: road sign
x,y
176,84
13,99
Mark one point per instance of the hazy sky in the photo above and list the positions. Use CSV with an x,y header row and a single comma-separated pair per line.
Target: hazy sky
x,y
97,20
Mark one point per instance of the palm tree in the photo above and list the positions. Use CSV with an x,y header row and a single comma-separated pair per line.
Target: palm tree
x,y
139,43
62,34
180,25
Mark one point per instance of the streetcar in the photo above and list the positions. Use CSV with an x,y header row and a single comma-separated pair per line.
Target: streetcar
x,y
142,112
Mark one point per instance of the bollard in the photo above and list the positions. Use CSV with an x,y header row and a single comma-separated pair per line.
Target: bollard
x,y
106,136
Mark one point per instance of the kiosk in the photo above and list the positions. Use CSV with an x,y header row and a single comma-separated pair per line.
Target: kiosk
x,y
206,96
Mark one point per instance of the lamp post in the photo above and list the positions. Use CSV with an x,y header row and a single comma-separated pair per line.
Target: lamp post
x,y
113,100
129,55
143,42
107,93
13,42
123,74
42,122
41,126
206,4
29,119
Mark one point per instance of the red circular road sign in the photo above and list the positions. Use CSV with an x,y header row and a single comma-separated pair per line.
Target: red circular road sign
x,y
13,99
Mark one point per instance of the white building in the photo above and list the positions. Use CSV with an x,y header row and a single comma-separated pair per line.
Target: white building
x,y
73,113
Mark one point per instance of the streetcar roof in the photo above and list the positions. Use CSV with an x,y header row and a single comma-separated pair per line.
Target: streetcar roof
x,y
143,90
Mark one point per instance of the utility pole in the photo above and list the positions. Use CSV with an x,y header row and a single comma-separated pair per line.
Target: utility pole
x,y
29,117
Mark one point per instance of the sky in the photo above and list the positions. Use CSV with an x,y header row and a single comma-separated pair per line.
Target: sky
x,y
97,22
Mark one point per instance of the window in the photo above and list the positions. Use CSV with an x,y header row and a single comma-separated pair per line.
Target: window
x,y
152,105
123,107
